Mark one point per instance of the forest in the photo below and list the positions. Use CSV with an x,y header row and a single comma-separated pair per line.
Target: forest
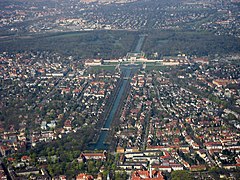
x,y
116,44
171,43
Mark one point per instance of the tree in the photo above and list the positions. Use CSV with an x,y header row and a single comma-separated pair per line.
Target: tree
x,y
105,174
181,175
91,166
121,175
81,166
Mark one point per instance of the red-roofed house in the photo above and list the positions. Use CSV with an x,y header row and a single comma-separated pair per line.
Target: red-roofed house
x,y
198,168
67,125
25,158
62,177
163,167
95,156
146,175
5,150
83,176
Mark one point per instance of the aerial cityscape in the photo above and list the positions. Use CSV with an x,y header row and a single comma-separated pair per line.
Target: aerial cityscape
x,y
120,89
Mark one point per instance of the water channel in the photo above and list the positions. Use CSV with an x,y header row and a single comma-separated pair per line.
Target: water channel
x,y
127,72
139,45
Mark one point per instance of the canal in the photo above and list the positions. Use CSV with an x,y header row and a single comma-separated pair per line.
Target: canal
x,y
127,72
139,45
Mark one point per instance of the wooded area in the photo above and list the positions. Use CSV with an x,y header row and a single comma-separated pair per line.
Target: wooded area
x,y
116,44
